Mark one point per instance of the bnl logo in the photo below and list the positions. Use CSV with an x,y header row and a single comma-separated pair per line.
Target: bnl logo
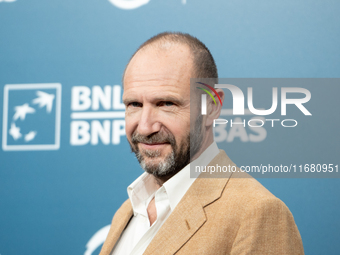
x,y
238,99
31,117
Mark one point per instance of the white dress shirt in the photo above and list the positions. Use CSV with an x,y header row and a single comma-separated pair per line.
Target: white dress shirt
x,y
138,234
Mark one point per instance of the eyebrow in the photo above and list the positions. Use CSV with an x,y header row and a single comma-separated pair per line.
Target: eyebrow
x,y
128,100
169,98
165,98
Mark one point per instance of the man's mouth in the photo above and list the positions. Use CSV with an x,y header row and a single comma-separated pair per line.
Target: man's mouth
x,y
153,146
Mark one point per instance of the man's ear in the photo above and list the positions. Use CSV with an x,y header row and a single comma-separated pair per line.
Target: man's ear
x,y
214,110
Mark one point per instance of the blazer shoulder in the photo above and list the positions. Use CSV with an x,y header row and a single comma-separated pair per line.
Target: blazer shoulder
x,y
237,188
266,225
243,187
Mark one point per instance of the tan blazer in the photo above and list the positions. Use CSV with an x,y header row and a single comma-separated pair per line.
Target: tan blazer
x,y
227,215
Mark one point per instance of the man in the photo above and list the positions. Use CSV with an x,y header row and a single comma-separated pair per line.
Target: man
x,y
167,211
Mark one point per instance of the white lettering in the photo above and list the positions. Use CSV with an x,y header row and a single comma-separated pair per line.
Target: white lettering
x,y
99,130
118,130
79,134
297,102
80,99
101,97
262,112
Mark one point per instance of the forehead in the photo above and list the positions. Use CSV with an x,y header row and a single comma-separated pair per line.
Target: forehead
x,y
166,69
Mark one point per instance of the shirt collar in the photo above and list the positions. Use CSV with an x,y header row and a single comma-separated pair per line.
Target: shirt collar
x,y
140,191
144,187
179,184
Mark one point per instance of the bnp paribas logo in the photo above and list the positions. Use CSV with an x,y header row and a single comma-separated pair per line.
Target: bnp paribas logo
x,y
31,117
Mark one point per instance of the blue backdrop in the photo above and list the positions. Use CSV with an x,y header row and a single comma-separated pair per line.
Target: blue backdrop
x,y
65,163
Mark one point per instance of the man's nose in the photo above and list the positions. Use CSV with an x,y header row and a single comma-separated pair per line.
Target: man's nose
x,y
148,122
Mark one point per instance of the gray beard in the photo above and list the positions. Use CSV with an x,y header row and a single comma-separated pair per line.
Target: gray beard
x,y
160,169
176,160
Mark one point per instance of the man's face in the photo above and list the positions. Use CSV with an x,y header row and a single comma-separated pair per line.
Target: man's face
x,y
157,99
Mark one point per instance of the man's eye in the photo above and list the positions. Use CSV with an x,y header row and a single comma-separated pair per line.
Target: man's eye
x,y
169,103
166,103
135,104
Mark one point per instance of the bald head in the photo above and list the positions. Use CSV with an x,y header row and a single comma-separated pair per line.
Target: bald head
x,y
169,64
203,64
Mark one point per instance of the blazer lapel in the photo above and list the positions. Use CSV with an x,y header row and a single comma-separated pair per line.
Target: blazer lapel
x,y
119,222
182,223
189,214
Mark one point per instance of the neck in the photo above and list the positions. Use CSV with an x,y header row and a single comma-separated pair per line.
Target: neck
x,y
207,141
160,180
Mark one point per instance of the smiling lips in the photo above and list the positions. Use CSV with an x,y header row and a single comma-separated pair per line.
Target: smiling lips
x,y
153,146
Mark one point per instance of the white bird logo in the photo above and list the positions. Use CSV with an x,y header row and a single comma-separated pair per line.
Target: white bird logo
x,y
44,99
30,136
21,111
15,132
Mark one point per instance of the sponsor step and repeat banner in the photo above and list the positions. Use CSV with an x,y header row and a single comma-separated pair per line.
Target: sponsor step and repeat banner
x,y
65,162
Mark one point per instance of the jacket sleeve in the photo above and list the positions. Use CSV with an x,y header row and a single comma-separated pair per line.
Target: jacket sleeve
x,y
268,227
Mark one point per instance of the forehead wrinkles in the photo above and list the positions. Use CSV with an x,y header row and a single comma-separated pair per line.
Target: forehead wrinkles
x,y
151,61
162,92
162,86
166,72
153,80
